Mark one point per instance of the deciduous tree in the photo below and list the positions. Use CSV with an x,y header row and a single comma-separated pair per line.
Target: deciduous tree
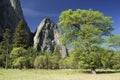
x,y
83,30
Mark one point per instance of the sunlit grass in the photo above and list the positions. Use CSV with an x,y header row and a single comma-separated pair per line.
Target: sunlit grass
x,y
16,74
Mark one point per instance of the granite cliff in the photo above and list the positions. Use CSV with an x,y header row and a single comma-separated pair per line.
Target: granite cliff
x,y
10,14
47,38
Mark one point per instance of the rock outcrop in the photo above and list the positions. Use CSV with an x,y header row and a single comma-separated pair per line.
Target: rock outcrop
x,y
47,37
10,14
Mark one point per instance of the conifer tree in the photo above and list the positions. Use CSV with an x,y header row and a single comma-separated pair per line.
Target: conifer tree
x,y
21,35
6,48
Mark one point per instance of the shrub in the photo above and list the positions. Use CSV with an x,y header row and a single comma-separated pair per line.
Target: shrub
x,y
47,61
19,58
40,62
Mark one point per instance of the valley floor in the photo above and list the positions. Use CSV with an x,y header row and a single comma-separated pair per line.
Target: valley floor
x,y
54,75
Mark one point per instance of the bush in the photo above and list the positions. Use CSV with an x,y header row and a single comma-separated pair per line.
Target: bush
x,y
54,62
19,58
63,64
116,61
47,61
40,62
67,63
17,52
20,62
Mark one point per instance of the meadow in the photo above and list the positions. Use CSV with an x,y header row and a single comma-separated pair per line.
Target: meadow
x,y
16,74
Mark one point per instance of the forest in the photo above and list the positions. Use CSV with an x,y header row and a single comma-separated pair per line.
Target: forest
x,y
86,33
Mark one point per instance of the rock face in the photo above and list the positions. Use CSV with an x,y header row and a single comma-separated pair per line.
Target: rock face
x,y
47,37
10,14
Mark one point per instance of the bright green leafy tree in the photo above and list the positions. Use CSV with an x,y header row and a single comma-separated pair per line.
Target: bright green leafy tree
x,y
71,23
83,30
107,58
19,58
114,45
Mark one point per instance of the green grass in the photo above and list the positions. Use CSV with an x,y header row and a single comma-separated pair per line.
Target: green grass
x,y
16,74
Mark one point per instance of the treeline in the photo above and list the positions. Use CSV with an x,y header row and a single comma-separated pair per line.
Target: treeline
x,y
16,51
86,32
19,39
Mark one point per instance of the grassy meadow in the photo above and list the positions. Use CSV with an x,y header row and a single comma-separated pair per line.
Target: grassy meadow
x,y
16,74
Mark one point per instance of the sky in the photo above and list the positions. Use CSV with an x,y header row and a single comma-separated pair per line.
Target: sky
x,y
35,10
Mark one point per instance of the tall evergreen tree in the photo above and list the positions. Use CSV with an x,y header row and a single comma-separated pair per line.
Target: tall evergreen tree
x,y
21,36
6,48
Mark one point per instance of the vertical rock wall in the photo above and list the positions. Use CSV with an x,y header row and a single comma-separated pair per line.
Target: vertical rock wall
x,y
10,14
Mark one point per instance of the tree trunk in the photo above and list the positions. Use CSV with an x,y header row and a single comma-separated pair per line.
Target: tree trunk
x,y
6,60
93,70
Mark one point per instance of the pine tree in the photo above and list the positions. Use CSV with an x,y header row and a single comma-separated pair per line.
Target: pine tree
x,y
6,48
21,35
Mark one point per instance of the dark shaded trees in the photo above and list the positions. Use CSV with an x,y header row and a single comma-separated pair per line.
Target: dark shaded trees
x,y
21,36
7,46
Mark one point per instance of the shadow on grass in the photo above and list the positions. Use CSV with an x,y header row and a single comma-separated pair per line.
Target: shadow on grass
x,y
101,71
108,71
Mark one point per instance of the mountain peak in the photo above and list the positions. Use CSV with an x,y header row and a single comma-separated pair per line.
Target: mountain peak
x,y
47,37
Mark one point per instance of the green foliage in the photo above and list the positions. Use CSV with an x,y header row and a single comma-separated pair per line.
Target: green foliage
x,y
114,42
72,61
86,47
40,62
2,61
6,47
19,58
54,60
62,63
116,61
74,58
73,22
106,58
57,52
83,30
67,63
17,52
32,54
1,56
20,62
21,36
47,61
88,60
76,19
